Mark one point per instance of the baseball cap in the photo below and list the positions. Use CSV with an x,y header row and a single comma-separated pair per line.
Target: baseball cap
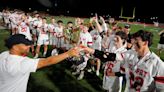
x,y
17,39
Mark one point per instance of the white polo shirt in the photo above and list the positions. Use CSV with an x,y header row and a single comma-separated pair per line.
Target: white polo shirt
x,y
15,71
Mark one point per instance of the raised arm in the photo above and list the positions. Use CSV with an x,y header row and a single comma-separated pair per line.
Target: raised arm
x,y
98,26
90,22
104,24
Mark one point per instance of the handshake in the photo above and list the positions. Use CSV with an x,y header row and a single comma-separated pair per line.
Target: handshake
x,y
104,56
76,51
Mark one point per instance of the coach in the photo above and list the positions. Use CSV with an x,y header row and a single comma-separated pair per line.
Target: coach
x,y
15,67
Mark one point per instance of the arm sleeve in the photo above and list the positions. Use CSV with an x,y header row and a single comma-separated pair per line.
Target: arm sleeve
x,y
119,74
159,71
105,56
159,78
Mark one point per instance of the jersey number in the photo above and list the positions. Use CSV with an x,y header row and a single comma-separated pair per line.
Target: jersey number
x,y
109,68
24,30
136,82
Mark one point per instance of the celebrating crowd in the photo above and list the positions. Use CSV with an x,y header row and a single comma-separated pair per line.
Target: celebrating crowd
x,y
99,44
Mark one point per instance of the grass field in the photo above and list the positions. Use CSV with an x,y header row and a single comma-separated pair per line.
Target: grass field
x,y
58,78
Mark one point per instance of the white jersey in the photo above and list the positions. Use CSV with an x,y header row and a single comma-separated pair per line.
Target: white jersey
x,y
111,67
59,32
6,17
43,31
59,36
43,37
51,27
111,44
108,43
14,20
86,39
34,22
141,73
25,30
97,40
52,35
28,20
15,71
33,26
159,78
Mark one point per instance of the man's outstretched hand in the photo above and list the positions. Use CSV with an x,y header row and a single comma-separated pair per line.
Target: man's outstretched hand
x,y
86,49
74,52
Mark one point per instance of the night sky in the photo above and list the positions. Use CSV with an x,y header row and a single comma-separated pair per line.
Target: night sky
x,y
144,8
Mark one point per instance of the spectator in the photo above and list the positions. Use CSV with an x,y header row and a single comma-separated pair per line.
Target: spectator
x,y
161,42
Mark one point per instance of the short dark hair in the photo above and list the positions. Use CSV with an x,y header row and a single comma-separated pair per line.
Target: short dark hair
x,y
59,21
122,34
69,22
44,18
145,36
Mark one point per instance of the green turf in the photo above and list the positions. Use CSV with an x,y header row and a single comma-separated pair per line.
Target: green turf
x,y
58,78
3,35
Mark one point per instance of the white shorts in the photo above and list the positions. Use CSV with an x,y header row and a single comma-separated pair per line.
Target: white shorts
x,y
59,42
13,26
44,41
160,46
111,83
53,40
